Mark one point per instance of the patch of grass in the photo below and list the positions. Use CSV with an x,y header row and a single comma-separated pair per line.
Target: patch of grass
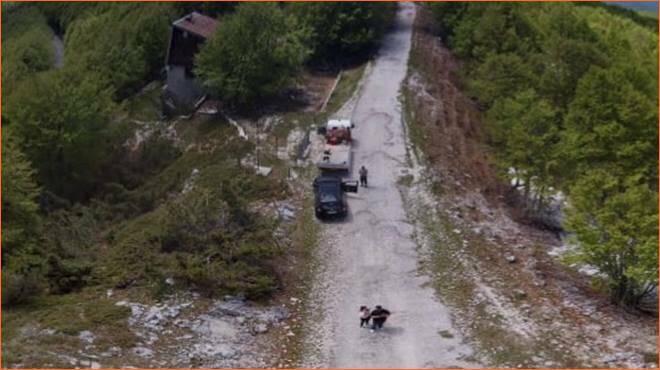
x,y
68,315
305,237
414,129
345,88
650,357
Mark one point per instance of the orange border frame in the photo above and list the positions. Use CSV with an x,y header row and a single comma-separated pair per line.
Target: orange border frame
x,y
525,1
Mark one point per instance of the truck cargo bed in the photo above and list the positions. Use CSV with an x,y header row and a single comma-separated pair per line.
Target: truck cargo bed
x,y
335,157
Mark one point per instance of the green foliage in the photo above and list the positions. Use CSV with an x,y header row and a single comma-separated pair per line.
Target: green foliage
x,y
19,195
21,225
26,45
61,118
612,124
570,94
125,44
254,54
493,28
344,30
22,278
524,130
200,241
500,75
615,222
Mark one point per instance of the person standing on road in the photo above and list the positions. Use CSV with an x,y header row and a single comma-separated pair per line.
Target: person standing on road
x,y
365,316
363,176
379,316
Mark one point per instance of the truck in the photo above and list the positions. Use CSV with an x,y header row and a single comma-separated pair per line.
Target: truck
x,y
336,152
329,197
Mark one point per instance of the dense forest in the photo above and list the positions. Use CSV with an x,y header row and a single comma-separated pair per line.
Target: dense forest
x,y
79,209
570,98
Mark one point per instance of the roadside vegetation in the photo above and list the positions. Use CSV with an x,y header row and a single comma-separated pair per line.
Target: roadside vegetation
x,y
569,93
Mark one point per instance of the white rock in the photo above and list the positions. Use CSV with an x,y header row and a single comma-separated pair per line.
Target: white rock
x,y
260,328
143,352
87,336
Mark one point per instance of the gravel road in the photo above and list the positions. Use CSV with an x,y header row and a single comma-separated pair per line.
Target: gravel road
x,y
370,257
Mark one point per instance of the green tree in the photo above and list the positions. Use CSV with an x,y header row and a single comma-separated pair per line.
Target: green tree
x,y
26,45
500,76
524,130
344,30
493,28
569,47
125,43
612,124
21,223
61,118
254,54
615,221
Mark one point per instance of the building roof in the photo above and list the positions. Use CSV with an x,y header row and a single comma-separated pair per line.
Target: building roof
x,y
198,24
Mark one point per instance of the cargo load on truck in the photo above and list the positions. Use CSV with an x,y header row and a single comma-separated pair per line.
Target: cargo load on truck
x,y
338,131
335,157
336,153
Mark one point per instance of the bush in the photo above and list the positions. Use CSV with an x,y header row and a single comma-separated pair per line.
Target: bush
x,y
22,280
26,45
66,276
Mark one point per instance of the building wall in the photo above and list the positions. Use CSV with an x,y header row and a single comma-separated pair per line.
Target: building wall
x,y
182,88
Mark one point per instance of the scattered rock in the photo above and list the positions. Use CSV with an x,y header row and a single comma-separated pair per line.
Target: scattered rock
x,y
608,359
263,170
87,336
286,211
519,294
169,281
260,328
510,258
143,352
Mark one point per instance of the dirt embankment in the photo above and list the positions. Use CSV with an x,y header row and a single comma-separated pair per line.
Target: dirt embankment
x,y
497,261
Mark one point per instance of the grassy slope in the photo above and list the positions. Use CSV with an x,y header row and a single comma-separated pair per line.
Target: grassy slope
x,y
213,150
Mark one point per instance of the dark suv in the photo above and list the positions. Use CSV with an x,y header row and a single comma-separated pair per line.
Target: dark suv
x,y
329,199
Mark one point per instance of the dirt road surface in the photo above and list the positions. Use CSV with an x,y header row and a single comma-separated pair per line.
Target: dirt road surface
x,y
370,257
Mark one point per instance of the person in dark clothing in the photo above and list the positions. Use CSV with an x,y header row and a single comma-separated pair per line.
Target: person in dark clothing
x,y
379,316
365,316
363,176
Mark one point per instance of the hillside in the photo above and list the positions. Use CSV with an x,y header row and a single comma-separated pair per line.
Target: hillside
x,y
159,209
